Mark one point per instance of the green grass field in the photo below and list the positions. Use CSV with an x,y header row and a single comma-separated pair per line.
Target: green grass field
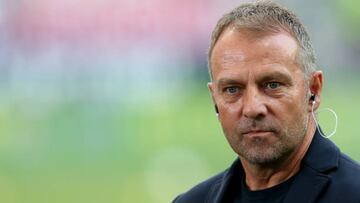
x,y
130,152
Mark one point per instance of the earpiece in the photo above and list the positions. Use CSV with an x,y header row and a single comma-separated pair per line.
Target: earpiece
x,y
216,110
312,98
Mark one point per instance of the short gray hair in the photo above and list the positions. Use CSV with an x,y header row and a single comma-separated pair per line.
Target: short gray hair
x,y
268,16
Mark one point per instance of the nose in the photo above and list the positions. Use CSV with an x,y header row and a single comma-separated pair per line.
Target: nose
x,y
253,105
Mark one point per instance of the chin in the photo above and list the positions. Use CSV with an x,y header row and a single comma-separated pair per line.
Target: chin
x,y
264,155
261,159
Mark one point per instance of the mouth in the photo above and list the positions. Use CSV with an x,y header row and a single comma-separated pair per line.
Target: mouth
x,y
257,133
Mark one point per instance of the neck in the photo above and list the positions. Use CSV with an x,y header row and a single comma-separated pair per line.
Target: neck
x,y
262,177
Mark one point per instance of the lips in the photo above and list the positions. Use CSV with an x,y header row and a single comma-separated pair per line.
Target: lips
x,y
258,133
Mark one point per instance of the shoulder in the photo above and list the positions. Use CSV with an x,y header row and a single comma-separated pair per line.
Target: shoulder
x,y
348,170
344,181
202,191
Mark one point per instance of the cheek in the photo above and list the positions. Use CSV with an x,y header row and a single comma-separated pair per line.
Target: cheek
x,y
229,118
290,111
229,112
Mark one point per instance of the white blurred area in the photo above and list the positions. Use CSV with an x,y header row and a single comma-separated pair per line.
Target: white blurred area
x,y
128,50
101,50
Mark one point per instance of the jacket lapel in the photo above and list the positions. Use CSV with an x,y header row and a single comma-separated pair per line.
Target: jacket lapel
x,y
307,186
225,188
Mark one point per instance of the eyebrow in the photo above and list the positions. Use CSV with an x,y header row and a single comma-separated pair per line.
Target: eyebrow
x,y
283,77
224,81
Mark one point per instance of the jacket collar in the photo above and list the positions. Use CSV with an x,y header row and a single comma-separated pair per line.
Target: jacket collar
x,y
322,154
321,157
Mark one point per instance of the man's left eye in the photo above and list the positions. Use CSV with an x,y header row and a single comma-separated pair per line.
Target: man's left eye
x,y
273,85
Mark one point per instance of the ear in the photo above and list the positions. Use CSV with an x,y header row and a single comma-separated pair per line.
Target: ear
x,y
211,88
315,86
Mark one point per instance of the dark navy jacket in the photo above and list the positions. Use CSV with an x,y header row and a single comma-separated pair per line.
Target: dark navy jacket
x,y
326,176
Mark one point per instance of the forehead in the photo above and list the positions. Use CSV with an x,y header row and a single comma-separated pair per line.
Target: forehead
x,y
238,48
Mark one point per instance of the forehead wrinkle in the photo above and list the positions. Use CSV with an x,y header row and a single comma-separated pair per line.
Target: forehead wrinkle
x,y
232,57
267,71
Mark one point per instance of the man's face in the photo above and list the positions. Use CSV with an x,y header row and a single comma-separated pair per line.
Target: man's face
x,y
260,93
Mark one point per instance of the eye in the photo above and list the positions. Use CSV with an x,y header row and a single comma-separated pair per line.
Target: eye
x,y
232,90
273,85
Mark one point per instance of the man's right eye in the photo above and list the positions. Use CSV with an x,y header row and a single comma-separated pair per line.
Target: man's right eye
x,y
232,90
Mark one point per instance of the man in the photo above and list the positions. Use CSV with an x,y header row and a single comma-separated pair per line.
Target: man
x,y
265,89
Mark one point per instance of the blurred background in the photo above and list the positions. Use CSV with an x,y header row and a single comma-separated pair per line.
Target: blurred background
x,y
106,100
